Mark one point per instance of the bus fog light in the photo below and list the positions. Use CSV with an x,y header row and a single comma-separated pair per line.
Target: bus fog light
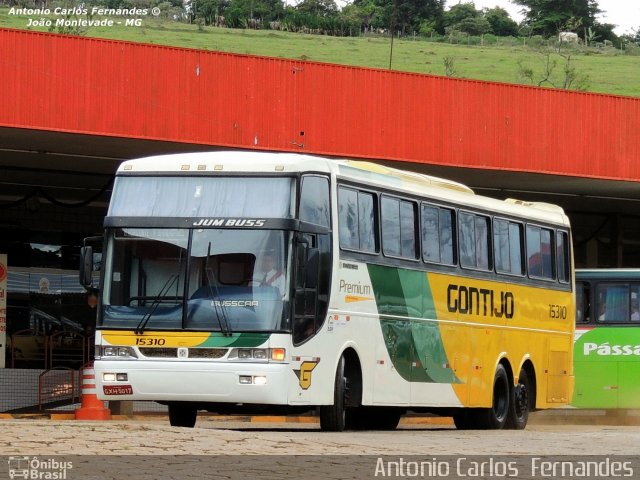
x,y
122,377
260,380
109,377
246,380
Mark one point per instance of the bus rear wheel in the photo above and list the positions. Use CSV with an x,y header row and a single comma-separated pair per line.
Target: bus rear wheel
x,y
496,416
182,414
520,403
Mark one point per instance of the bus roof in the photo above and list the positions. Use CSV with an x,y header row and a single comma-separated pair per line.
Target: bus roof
x,y
235,161
607,273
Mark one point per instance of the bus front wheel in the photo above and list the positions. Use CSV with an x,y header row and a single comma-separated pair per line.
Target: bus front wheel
x,y
182,414
333,417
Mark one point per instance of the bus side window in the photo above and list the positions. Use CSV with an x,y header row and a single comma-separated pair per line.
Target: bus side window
x,y
357,220
635,298
583,313
613,303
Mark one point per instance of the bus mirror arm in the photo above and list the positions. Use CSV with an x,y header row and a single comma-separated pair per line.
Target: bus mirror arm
x,y
86,267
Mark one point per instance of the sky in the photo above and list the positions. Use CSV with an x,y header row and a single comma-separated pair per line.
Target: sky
x,y
623,13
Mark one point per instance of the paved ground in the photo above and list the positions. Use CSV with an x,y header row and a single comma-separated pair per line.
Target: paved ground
x,y
153,436
230,449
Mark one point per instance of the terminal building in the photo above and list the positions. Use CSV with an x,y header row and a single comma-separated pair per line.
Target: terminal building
x,y
75,107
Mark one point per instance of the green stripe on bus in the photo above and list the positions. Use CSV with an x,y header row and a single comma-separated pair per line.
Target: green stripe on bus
x,y
243,340
414,346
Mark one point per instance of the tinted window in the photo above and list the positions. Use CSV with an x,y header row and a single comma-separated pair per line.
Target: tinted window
x,y
391,226
437,234
367,225
562,255
314,200
507,241
398,228
408,229
617,302
356,220
613,303
539,258
474,241
583,311
348,225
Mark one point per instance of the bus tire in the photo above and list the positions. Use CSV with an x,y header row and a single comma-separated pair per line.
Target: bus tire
x,y
520,403
182,414
495,418
333,418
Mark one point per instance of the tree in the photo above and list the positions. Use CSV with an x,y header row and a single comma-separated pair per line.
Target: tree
x,y
317,8
604,31
568,77
411,13
501,23
548,17
406,15
464,17
364,14
460,12
208,10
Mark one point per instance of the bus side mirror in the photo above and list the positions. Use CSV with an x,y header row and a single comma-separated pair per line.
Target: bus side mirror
x,y
86,266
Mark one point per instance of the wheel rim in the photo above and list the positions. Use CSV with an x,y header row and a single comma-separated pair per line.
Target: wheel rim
x,y
521,395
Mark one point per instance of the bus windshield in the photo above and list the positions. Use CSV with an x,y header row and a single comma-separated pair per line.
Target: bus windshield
x,y
196,279
177,197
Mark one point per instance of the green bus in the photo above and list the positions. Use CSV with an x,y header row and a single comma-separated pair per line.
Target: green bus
x,y
607,339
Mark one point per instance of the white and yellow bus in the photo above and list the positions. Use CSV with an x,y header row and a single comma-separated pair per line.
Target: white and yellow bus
x,y
271,282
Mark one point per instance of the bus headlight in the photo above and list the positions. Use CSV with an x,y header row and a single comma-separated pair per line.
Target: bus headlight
x,y
260,354
111,352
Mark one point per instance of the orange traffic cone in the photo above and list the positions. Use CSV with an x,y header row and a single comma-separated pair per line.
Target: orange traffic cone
x,y
92,408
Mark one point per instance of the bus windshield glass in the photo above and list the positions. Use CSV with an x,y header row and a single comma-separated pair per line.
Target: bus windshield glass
x,y
143,196
196,279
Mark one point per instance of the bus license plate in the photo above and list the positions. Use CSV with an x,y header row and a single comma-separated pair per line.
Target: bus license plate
x,y
117,389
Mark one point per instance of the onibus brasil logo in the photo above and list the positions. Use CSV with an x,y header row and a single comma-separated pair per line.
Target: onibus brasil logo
x,y
40,469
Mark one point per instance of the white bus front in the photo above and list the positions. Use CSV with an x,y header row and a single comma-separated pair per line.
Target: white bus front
x,y
198,277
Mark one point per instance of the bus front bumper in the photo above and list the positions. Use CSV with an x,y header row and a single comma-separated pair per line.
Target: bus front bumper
x,y
265,383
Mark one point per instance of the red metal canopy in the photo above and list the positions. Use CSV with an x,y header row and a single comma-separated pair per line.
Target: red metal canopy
x,y
122,89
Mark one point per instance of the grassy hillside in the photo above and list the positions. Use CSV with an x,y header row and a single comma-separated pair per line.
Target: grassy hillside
x,y
601,70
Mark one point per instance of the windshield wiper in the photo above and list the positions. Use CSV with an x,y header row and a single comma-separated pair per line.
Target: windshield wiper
x,y
156,302
223,321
